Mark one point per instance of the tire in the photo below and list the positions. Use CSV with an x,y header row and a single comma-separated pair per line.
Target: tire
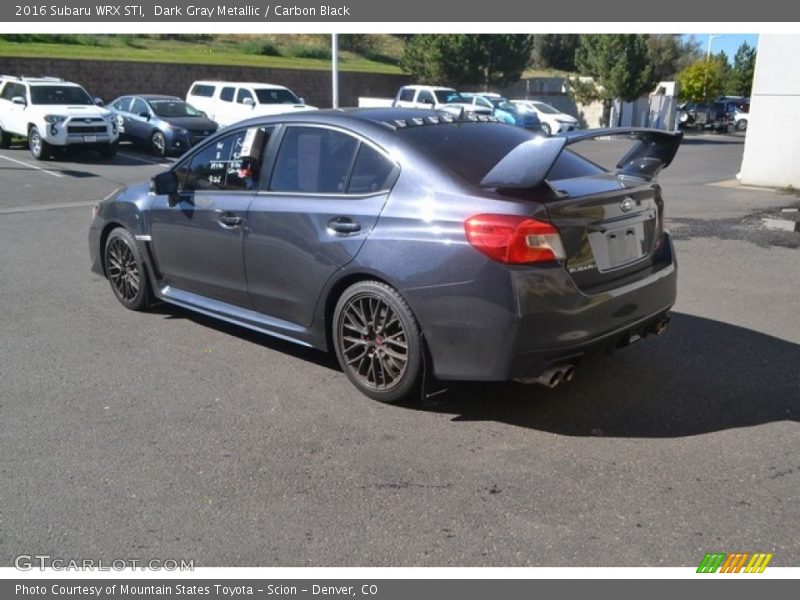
x,y
741,125
367,316
40,149
5,139
109,151
125,270
158,143
546,128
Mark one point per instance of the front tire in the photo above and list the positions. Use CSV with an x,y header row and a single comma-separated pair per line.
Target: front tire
x,y
158,143
125,270
546,128
40,149
741,125
5,139
378,342
109,151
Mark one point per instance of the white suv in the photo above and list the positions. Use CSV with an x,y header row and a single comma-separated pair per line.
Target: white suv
x,y
228,102
52,113
442,98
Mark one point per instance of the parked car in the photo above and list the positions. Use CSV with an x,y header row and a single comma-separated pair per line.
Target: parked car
x,y
505,111
435,97
407,241
740,118
227,102
553,120
54,114
718,116
164,124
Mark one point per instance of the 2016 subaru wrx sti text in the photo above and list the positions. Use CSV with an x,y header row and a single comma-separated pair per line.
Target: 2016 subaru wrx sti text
x,y
406,241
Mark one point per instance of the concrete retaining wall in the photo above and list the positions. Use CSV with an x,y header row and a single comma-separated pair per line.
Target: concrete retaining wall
x,y
109,79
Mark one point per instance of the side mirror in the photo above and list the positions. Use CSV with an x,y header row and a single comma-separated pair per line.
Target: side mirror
x,y
19,100
99,101
302,100
145,115
249,102
166,184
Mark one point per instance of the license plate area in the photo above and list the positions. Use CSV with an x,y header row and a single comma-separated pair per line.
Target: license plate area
x,y
89,138
619,245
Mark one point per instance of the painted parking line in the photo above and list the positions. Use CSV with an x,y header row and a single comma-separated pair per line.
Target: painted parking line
x,y
42,207
144,160
30,166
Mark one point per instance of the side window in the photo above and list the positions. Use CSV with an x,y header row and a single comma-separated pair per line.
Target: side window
x,y
372,172
199,89
13,89
314,160
221,166
226,94
243,93
139,106
407,95
425,97
122,104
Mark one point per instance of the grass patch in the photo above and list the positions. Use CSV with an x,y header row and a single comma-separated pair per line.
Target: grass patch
x,y
272,51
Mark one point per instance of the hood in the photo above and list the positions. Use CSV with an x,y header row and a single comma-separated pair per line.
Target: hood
x,y
565,118
191,123
72,110
456,107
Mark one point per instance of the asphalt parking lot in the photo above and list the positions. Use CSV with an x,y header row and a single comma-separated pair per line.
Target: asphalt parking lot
x,y
169,435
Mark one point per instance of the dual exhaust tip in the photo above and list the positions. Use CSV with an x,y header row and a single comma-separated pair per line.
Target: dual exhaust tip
x,y
552,377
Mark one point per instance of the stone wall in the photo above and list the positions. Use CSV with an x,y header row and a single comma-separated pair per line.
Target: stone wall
x,y
109,79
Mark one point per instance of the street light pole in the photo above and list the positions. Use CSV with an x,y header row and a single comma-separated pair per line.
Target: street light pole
x,y
708,61
335,70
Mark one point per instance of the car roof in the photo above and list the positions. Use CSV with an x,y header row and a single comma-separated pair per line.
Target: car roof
x,y
254,84
38,80
433,88
149,97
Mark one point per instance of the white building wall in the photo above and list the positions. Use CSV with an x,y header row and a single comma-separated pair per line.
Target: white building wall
x,y
772,146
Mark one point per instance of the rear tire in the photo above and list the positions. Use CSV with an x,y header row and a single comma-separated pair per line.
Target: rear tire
x,y
40,150
125,270
378,341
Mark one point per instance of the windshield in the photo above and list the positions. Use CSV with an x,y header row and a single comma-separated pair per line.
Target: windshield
x,y
278,96
59,94
173,108
449,96
546,108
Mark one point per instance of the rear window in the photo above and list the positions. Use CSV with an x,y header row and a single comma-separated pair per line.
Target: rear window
x,y
206,91
470,150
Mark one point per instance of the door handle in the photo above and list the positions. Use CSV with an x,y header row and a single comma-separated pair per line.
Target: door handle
x,y
343,225
229,219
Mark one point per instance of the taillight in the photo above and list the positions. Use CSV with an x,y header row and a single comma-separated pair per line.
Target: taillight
x,y
514,239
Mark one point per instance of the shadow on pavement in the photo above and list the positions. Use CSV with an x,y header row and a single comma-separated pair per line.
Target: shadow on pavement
x,y
702,376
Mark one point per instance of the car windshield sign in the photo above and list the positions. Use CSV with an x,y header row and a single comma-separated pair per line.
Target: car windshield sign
x,y
59,94
172,108
266,96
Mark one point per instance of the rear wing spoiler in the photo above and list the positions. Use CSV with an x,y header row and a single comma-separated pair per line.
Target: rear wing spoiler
x,y
527,165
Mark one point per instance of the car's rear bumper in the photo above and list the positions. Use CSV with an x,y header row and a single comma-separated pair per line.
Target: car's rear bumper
x,y
511,323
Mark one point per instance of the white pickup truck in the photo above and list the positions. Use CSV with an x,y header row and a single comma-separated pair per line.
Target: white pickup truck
x,y
228,102
54,113
427,96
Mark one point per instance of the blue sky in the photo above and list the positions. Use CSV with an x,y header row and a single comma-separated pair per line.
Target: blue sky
x,y
728,43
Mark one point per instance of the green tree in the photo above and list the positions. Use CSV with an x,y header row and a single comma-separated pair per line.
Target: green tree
x,y
461,59
670,54
702,81
744,64
555,51
619,63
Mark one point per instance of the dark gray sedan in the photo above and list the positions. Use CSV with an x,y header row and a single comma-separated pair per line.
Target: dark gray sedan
x,y
412,244
164,124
